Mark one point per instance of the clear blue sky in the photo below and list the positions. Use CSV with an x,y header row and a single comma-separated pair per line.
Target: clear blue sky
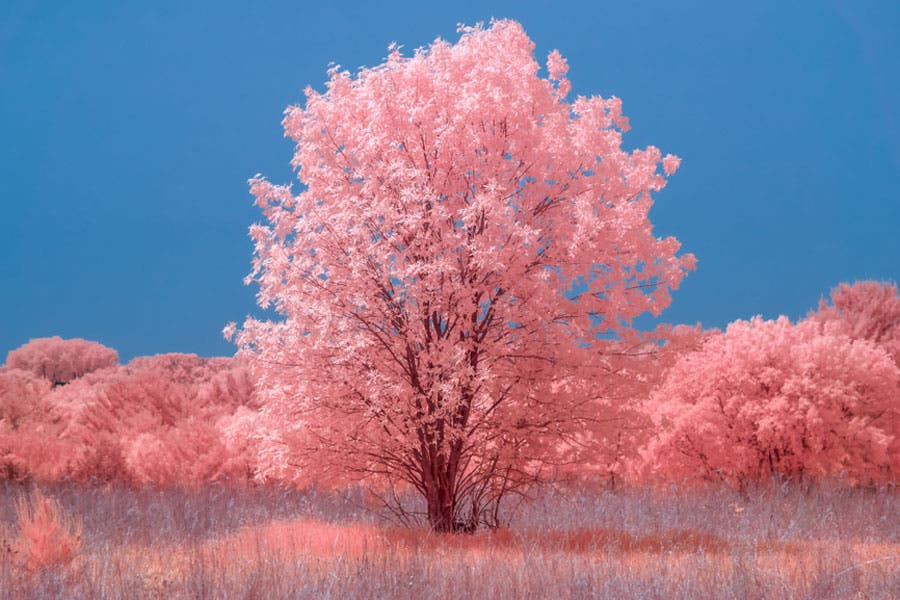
x,y
129,130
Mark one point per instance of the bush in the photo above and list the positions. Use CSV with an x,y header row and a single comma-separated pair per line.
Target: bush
x,y
48,536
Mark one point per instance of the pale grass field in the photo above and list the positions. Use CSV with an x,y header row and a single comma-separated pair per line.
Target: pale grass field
x,y
779,542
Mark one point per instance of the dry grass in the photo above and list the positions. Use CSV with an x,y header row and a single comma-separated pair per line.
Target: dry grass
x,y
217,543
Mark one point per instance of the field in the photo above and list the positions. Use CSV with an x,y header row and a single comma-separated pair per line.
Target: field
x,y
779,542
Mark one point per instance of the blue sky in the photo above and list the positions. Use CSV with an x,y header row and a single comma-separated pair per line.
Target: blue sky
x,y
129,130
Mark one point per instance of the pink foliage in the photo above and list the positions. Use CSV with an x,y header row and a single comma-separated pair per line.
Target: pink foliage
x,y
770,398
865,310
48,537
21,394
35,453
29,428
172,419
671,164
155,421
629,371
450,199
110,412
188,454
61,361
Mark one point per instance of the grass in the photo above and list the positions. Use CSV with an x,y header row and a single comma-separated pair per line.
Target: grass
x,y
779,542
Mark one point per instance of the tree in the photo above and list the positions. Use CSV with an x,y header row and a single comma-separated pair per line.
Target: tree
x,y
21,394
866,310
61,361
463,237
631,370
29,427
170,419
770,398
159,420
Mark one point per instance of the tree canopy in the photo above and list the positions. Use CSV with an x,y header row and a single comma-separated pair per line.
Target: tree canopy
x,y
463,239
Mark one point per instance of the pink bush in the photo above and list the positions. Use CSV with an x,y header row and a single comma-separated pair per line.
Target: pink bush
x,y
48,536
30,428
189,454
156,421
60,361
771,398
865,310
21,396
173,419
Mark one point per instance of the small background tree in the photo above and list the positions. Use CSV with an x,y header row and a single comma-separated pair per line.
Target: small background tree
x,y
771,398
865,310
170,419
61,361
869,310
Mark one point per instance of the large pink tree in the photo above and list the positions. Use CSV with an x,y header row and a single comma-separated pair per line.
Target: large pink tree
x,y
463,235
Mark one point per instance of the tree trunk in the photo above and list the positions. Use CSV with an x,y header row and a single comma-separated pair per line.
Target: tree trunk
x,y
441,507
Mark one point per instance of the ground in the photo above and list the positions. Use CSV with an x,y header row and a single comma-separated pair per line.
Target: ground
x,y
216,542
